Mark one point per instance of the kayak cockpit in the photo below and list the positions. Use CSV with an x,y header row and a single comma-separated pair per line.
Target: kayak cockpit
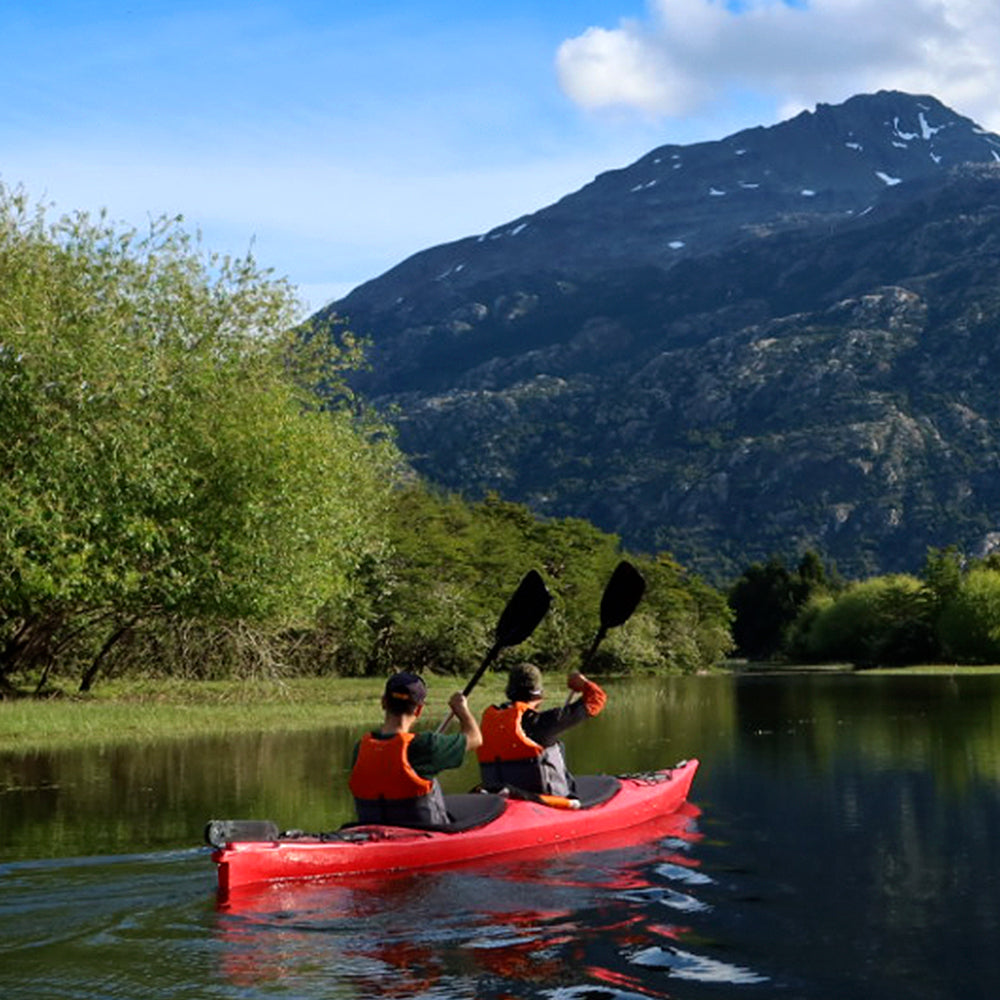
x,y
466,812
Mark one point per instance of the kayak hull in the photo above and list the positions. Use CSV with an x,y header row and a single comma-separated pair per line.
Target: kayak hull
x,y
523,825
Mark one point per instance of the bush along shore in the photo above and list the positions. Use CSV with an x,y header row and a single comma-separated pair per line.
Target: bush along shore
x,y
950,614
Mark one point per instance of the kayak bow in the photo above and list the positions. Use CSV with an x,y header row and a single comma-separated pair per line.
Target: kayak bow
x,y
520,825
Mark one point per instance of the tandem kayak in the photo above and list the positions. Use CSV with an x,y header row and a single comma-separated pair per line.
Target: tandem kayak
x,y
250,851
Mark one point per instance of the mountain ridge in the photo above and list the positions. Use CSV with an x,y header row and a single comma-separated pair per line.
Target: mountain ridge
x,y
662,391
834,159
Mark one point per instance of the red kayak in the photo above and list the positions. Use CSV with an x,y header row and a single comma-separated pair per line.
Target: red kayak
x,y
249,852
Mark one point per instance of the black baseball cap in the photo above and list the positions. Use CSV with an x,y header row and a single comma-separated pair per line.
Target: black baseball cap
x,y
404,689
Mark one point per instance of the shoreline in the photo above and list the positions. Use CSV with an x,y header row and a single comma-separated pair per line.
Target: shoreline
x,y
145,711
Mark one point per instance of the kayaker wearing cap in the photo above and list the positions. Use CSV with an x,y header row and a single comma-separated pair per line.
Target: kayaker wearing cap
x,y
521,745
393,778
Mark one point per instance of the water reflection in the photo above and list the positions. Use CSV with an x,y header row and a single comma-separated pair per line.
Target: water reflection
x,y
845,849
947,724
158,796
517,927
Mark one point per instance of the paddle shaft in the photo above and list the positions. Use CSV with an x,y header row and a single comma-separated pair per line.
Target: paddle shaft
x,y
467,690
589,655
525,609
620,598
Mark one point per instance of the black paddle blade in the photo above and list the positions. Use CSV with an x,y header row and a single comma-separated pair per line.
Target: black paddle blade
x,y
622,595
525,609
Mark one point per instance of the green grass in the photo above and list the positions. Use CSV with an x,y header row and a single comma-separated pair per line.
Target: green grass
x,y
130,712
147,711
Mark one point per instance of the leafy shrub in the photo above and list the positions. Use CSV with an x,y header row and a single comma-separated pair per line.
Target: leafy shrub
x,y
969,623
163,452
883,620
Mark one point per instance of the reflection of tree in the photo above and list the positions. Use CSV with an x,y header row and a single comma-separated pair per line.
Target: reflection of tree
x,y
654,722
936,723
145,796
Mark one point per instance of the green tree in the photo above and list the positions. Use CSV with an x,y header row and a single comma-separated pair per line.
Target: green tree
x,y
768,599
812,574
969,622
942,575
883,620
692,621
163,450
454,564
765,600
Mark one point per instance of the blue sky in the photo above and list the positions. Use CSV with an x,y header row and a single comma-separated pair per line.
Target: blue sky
x,y
338,137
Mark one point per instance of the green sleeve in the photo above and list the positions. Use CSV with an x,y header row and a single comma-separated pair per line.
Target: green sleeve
x,y
431,753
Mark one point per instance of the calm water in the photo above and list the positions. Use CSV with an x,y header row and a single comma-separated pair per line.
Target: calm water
x,y
840,844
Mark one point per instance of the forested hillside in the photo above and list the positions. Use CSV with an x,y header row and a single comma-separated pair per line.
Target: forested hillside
x,y
776,342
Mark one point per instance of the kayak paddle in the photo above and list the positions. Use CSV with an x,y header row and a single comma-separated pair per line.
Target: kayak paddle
x,y
525,609
620,598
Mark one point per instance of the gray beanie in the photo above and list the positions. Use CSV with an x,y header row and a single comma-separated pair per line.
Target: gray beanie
x,y
524,682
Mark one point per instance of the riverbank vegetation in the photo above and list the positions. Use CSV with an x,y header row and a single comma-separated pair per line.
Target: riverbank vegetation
x,y
188,490
950,613
142,710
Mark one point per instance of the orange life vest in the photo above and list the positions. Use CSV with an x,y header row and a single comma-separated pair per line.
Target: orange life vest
x,y
383,771
503,736
508,757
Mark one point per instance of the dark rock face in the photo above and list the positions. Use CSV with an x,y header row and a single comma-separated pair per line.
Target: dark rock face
x,y
781,340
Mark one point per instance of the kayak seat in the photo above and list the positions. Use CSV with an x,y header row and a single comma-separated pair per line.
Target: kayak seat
x,y
472,809
593,789
466,812
589,790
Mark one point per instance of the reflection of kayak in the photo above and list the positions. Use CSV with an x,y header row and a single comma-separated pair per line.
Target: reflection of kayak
x,y
250,851
515,921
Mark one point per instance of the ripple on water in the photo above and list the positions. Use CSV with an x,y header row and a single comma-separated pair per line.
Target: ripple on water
x,y
573,927
102,927
685,965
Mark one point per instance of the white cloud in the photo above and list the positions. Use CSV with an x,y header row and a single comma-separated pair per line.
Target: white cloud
x,y
626,67
689,55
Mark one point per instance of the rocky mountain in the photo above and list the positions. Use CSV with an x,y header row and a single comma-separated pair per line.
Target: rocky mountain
x,y
784,339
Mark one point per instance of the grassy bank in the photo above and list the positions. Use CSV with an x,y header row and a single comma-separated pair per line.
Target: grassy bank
x,y
140,711
133,712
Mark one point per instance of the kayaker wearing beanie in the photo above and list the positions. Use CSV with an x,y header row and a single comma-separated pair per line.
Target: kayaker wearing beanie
x,y
393,778
521,745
